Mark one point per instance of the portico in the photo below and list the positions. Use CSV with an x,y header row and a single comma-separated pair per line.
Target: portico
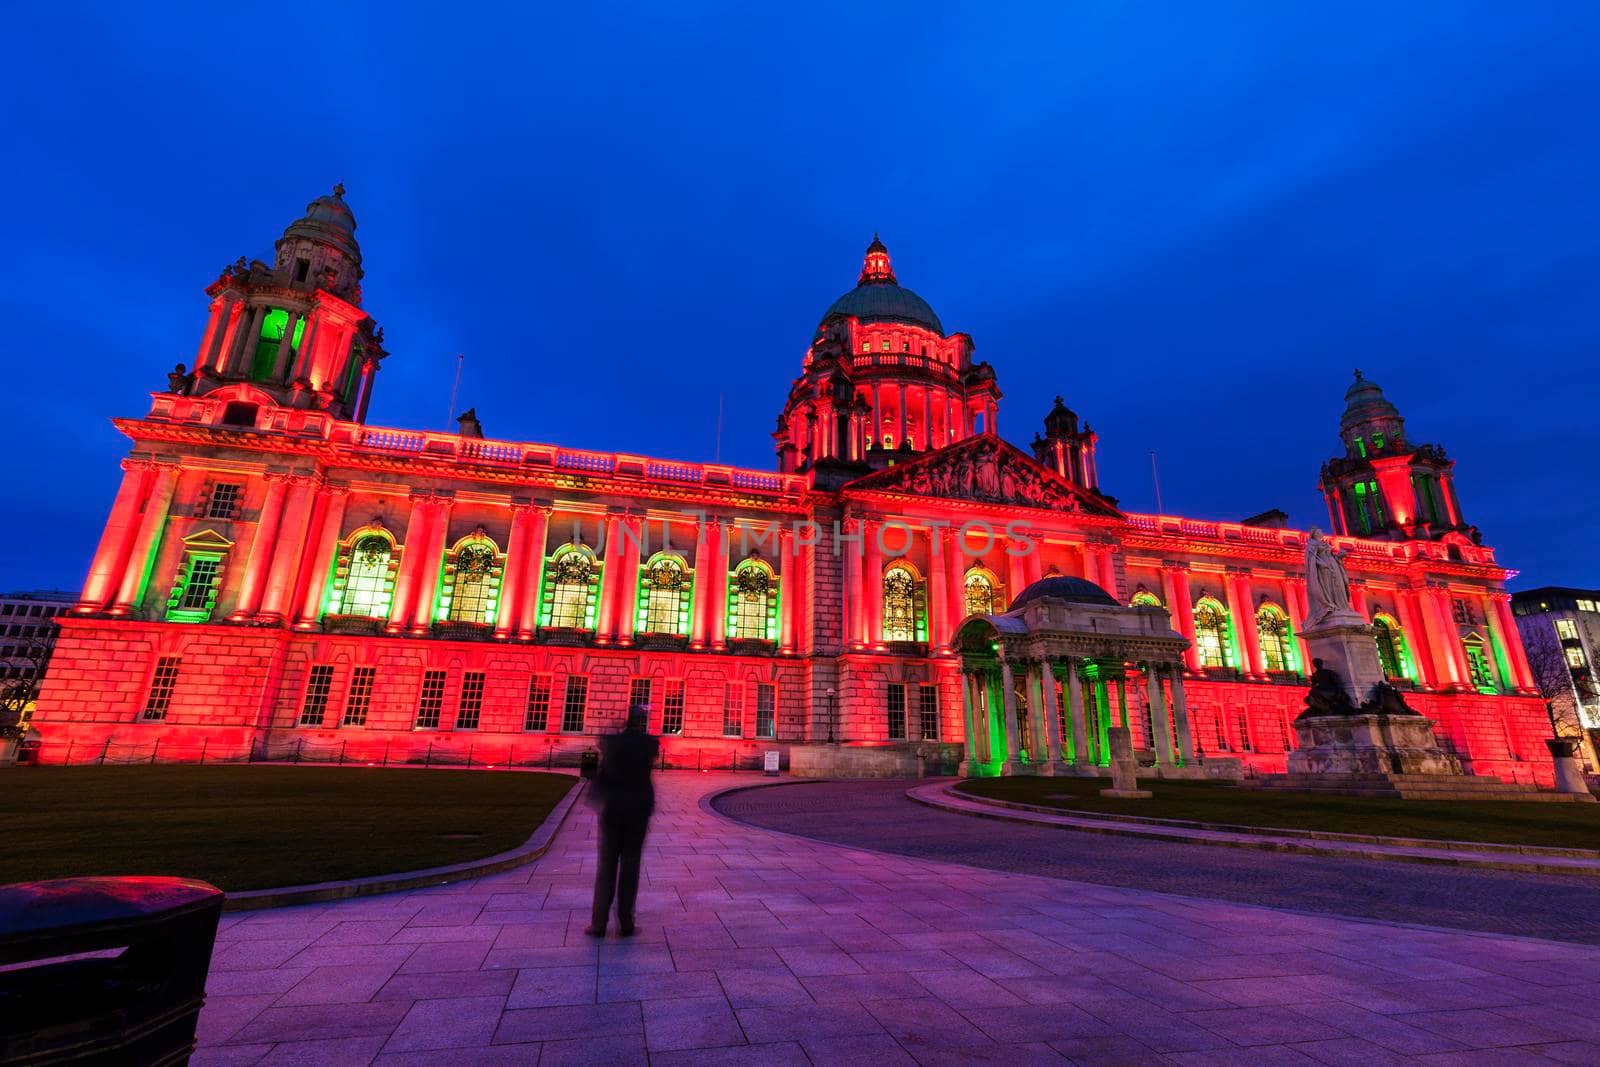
x,y
1044,682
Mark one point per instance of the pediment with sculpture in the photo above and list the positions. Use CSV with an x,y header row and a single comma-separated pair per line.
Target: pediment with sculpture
x,y
988,470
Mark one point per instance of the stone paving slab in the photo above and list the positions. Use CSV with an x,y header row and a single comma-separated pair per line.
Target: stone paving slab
x,y
1450,853
761,948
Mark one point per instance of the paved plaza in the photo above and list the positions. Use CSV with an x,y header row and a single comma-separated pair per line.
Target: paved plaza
x,y
761,947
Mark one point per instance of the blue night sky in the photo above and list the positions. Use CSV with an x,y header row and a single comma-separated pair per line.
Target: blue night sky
x,y
1191,220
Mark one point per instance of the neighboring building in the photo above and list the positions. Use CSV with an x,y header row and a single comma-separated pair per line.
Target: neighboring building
x,y
1561,632
27,636
276,573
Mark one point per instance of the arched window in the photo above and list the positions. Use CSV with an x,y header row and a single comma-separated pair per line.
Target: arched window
x,y
1391,643
365,579
1211,633
752,603
902,604
471,588
1144,599
665,593
1478,663
981,597
1272,626
570,582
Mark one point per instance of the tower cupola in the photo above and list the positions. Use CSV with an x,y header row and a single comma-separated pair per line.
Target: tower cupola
x,y
1066,449
1383,486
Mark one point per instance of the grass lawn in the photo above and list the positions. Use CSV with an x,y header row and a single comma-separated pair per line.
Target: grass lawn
x,y
258,827
1500,822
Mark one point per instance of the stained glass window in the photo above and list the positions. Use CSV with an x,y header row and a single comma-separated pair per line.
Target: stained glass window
x,y
1211,633
751,604
1391,646
1143,599
367,585
980,596
666,592
569,596
1272,625
473,581
900,615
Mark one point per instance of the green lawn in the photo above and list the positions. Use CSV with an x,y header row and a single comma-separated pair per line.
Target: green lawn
x,y
258,827
1501,822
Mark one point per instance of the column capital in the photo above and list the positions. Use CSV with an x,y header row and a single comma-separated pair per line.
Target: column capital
x,y
1175,566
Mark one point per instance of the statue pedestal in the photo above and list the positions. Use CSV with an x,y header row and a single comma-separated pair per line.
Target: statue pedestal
x,y
1345,645
1368,746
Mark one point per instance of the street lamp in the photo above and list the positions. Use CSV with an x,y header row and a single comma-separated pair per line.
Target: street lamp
x,y
831,715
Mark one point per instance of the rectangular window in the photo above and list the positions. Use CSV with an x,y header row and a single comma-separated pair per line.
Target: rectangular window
x,y
360,698
202,584
224,500
766,710
639,692
897,712
1244,731
431,700
471,709
162,684
318,685
672,709
538,713
733,709
1566,629
576,704
1222,733
928,708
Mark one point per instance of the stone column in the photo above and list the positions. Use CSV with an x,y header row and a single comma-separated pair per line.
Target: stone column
x,y
1052,716
955,583
1445,643
323,552
1294,595
1181,608
1244,622
1075,715
1358,599
788,591
854,621
516,569
1180,712
700,616
1511,640
1418,647
212,339
280,366
1008,697
1038,745
939,593
293,529
1122,696
1033,562
533,580
969,716
872,587
111,556
147,541
243,349
412,551
610,577
718,601
261,548
628,591
1159,719
428,576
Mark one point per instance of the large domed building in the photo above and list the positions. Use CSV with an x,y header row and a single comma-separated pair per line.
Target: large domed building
x,y
906,588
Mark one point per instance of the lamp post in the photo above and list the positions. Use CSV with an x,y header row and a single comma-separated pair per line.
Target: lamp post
x,y
831,714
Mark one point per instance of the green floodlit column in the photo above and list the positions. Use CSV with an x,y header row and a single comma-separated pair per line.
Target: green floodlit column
x,y
1180,712
147,542
1079,749
1102,707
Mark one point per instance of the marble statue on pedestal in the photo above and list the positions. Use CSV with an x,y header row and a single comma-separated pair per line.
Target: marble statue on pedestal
x,y
1327,585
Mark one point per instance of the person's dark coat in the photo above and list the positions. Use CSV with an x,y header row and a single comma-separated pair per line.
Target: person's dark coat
x,y
623,784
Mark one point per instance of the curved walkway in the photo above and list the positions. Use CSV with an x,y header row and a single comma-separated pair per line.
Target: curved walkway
x,y
759,947
1525,859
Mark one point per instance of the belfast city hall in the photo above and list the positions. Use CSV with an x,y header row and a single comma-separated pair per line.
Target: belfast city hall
x,y
905,591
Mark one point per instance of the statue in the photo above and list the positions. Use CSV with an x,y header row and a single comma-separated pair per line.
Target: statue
x,y
179,381
1387,700
1327,695
1327,584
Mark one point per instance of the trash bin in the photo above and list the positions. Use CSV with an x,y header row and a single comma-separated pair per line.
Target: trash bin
x,y
28,752
589,764
137,1003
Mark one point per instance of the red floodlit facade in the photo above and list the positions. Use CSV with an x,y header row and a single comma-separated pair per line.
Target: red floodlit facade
x,y
277,577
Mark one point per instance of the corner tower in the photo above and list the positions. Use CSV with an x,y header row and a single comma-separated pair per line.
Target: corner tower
x,y
882,379
1066,449
294,330
1384,486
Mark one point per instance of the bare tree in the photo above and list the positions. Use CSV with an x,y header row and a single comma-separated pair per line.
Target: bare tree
x,y
17,695
1565,686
